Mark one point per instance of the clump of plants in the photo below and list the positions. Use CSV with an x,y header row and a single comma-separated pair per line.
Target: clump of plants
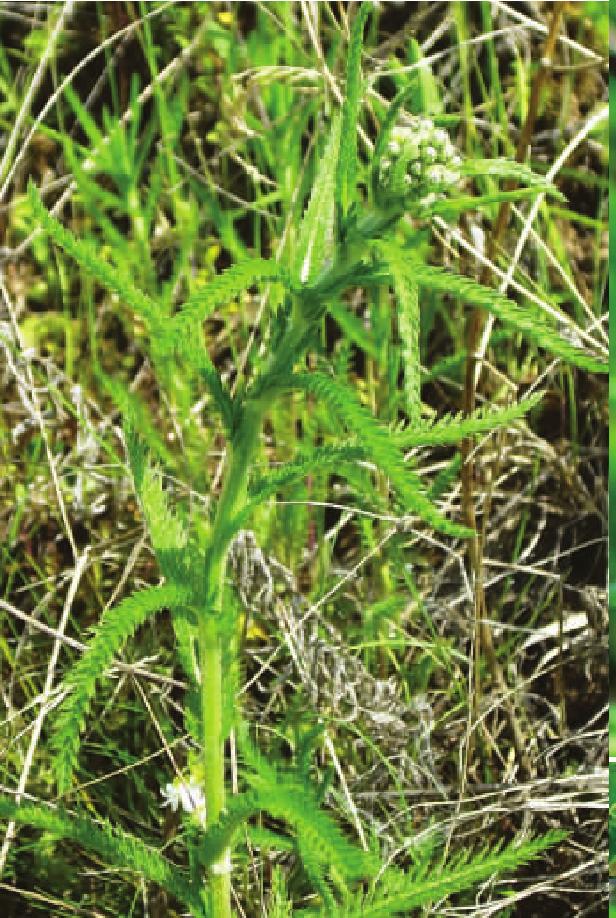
x,y
354,233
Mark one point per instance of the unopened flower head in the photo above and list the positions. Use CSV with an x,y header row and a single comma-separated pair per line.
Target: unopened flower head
x,y
419,165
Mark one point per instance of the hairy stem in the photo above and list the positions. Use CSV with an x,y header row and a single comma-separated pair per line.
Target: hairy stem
x,y
232,500
214,757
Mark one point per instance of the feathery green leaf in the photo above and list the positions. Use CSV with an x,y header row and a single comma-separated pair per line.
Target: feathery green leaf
x,y
530,321
398,893
407,294
116,626
379,446
269,484
87,257
114,845
221,835
324,457
288,796
454,428
168,532
183,337
225,287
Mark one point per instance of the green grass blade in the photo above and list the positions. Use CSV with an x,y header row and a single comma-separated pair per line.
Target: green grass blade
x,y
506,169
316,239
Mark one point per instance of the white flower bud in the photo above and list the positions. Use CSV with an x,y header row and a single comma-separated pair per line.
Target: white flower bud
x,y
419,164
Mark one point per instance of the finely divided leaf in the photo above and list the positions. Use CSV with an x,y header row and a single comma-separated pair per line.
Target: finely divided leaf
x,y
379,447
451,430
407,294
225,287
114,629
168,532
221,835
526,319
87,257
400,893
186,340
288,795
325,457
115,846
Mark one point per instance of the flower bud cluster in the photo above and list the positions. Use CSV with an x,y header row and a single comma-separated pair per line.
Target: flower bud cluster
x,y
419,164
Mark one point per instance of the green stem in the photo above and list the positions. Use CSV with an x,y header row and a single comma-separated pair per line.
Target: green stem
x,y
353,249
214,757
232,499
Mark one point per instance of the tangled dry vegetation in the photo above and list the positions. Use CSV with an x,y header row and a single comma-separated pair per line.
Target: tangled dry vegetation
x,y
478,721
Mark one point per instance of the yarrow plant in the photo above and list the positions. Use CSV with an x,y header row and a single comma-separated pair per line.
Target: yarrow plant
x,y
348,237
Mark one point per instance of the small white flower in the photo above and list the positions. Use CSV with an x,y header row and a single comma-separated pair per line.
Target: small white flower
x,y
222,867
185,794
